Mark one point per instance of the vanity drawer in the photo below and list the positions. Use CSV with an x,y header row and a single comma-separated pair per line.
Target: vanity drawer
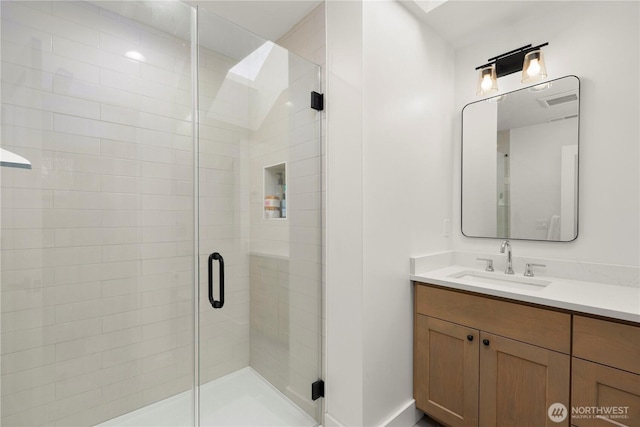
x,y
609,343
545,328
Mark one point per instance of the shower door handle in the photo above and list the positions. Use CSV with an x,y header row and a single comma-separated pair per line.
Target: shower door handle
x,y
218,257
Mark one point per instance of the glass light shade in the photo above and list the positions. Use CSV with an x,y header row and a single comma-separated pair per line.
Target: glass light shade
x,y
496,99
540,87
487,80
534,68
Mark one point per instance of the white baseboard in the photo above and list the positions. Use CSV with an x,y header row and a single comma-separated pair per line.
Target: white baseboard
x,y
407,416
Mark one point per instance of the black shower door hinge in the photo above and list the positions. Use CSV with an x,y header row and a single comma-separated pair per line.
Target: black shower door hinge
x,y
317,101
317,390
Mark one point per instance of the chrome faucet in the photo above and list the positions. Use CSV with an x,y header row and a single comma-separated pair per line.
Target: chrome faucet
x,y
506,244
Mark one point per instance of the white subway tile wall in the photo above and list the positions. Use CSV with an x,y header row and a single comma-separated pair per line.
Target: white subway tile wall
x,y
97,241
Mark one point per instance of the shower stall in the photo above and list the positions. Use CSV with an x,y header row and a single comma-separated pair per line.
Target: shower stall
x,y
161,253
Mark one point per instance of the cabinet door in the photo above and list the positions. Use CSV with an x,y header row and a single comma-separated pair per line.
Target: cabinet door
x,y
519,382
611,393
446,371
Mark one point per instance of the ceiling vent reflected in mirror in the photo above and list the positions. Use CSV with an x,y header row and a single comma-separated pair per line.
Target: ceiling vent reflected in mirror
x,y
559,99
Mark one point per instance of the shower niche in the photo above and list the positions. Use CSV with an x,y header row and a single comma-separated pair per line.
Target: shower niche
x,y
275,191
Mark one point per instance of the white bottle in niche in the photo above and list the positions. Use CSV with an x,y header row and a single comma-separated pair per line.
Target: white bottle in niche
x,y
283,203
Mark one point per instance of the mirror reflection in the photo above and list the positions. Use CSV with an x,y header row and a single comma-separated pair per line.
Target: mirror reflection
x,y
520,163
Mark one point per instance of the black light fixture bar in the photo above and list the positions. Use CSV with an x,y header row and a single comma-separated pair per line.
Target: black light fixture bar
x,y
518,50
510,62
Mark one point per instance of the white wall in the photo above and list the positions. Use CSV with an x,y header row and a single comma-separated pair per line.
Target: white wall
x,y
408,89
388,194
609,150
344,233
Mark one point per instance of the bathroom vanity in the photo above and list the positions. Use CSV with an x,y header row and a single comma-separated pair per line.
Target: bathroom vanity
x,y
476,345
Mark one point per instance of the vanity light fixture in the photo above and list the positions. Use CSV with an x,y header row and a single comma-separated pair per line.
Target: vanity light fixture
x,y
527,59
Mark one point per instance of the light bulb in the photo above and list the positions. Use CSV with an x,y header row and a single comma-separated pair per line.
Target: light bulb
x,y
486,82
534,68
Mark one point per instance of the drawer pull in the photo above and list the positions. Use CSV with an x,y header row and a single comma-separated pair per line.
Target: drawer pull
x,y
470,337
485,341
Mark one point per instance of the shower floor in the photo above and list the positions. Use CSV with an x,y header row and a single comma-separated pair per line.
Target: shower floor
x,y
242,398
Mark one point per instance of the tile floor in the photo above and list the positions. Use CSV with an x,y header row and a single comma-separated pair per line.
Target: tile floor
x,y
427,422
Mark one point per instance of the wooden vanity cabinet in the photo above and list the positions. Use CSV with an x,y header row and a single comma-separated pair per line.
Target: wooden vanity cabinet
x,y
605,372
488,362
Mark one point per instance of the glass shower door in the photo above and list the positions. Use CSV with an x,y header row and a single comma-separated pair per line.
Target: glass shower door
x,y
97,268
259,230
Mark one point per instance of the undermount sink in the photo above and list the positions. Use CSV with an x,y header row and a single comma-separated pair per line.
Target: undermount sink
x,y
500,279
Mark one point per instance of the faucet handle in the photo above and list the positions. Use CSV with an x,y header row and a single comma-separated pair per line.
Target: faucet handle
x,y
489,263
528,268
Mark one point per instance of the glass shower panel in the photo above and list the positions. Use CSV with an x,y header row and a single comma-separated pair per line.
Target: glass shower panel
x,y
260,218
97,235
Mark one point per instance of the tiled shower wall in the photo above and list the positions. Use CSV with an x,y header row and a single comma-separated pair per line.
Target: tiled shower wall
x,y
97,240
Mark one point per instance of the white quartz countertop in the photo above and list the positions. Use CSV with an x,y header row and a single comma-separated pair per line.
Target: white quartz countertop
x,y
617,302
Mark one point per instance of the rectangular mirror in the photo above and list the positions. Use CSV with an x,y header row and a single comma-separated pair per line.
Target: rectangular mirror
x,y
520,163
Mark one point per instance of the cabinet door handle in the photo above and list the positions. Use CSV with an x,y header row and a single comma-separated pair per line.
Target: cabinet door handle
x,y
485,341
470,337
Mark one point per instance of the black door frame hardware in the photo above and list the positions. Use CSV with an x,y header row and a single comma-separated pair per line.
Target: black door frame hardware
x,y
317,390
218,257
317,101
